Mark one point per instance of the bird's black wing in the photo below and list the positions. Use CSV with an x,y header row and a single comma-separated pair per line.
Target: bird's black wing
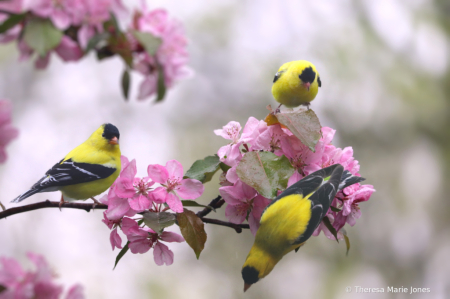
x,y
71,173
321,199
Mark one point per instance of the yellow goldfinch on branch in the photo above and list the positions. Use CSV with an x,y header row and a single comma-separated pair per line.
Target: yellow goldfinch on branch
x,y
291,218
296,83
88,170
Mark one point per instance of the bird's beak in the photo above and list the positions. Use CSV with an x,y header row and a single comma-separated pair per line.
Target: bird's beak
x,y
307,85
246,286
114,140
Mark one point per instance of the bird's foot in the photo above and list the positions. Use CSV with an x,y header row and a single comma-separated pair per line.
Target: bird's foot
x,y
61,202
278,109
96,202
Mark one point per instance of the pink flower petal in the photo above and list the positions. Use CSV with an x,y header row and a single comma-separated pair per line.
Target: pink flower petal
x,y
148,86
171,237
60,19
129,170
159,195
85,33
128,224
42,62
115,239
295,177
75,292
236,214
174,203
140,245
162,254
158,173
174,169
124,188
139,203
190,189
117,208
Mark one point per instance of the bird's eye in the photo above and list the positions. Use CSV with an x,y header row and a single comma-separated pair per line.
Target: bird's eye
x,y
318,81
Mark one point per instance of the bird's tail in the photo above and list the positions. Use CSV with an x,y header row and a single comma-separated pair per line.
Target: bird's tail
x,y
26,194
348,179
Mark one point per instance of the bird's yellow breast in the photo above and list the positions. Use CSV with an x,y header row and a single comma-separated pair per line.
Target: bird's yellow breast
x,y
282,223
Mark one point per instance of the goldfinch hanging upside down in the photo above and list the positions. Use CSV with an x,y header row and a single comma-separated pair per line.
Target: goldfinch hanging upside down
x,y
291,218
88,170
296,83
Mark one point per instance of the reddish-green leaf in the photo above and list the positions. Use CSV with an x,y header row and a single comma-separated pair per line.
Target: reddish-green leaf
x,y
2,206
304,124
191,203
265,171
334,209
121,254
120,45
193,230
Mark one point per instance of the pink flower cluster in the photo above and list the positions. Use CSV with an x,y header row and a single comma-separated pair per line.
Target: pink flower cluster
x,y
130,195
86,15
243,200
32,284
7,131
172,55
80,20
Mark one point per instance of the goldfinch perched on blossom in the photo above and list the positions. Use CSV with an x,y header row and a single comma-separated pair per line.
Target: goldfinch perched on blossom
x,y
296,83
88,170
291,218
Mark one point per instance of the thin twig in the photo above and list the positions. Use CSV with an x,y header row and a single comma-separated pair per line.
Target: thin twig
x,y
215,204
237,227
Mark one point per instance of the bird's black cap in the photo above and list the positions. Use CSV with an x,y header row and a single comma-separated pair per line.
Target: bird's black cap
x,y
110,131
308,75
250,275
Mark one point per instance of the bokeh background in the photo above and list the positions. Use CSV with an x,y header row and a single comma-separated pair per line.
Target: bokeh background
x,y
384,66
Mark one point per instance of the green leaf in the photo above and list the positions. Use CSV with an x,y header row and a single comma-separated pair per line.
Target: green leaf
x,y
193,230
304,125
125,83
150,42
330,227
334,209
95,40
347,240
12,21
121,254
265,171
224,167
41,36
159,220
161,85
203,170
191,203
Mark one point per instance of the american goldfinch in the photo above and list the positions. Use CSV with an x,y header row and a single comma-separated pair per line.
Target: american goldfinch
x,y
291,218
296,83
88,170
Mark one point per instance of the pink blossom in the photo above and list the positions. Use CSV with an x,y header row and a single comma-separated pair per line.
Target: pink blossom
x,y
171,55
7,131
142,239
240,199
57,11
32,284
173,185
115,239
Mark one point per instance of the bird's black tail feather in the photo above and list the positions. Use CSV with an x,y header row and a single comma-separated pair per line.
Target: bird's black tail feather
x,y
26,194
348,179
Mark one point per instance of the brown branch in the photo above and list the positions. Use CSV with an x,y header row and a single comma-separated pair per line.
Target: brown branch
x,y
51,204
215,203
